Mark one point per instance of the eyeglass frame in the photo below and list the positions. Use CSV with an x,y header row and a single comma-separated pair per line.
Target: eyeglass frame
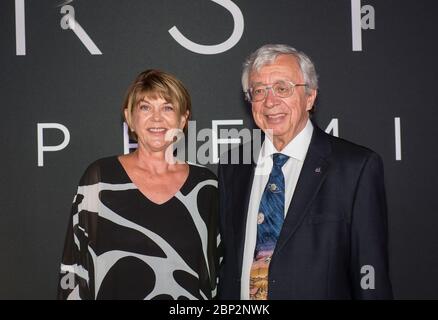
x,y
248,95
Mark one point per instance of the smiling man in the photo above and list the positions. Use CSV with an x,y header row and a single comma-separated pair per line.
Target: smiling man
x,y
314,225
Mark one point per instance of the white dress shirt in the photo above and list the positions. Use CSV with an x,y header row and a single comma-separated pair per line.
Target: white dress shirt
x,y
296,150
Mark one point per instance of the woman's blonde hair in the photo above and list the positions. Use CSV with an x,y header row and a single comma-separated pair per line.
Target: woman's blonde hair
x,y
154,84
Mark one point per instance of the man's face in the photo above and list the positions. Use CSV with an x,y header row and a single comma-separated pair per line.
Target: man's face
x,y
286,117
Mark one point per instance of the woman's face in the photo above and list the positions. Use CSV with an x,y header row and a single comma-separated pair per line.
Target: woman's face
x,y
153,119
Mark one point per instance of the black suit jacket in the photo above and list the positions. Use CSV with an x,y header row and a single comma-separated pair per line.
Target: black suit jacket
x,y
335,227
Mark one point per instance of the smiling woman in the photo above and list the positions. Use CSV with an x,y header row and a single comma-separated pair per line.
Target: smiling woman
x,y
153,85
144,227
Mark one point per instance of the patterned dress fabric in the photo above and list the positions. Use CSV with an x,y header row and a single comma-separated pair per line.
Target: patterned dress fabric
x,y
121,245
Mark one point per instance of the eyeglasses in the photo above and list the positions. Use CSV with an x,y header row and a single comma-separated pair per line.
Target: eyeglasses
x,y
281,89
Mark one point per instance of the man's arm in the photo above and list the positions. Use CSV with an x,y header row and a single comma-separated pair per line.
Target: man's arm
x,y
369,235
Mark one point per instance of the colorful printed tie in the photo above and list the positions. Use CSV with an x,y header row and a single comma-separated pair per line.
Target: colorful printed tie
x,y
269,221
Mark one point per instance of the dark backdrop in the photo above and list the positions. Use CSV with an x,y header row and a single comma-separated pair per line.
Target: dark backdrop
x,y
56,79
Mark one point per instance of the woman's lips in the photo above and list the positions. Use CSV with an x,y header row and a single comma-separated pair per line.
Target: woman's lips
x,y
157,130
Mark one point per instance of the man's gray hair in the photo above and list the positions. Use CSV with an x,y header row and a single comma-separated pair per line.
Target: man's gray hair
x,y
268,53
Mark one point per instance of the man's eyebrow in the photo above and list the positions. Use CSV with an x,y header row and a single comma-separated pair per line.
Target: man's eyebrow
x,y
257,83
276,81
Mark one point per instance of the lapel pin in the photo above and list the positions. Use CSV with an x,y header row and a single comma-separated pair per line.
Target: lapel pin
x,y
318,170
260,218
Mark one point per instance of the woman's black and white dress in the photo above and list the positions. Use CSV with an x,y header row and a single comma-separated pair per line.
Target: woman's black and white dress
x,y
121,245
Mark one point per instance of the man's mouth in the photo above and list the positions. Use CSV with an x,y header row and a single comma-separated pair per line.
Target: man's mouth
x,y
274,118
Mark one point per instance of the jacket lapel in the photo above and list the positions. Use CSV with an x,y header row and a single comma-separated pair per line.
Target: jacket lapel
x,y
312,175
242,186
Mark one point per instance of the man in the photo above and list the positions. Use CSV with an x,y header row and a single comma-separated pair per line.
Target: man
x,y
314,224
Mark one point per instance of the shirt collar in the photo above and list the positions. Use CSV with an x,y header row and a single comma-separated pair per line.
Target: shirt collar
x,y
296,148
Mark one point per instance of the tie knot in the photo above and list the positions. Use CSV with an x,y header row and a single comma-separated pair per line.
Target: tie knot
x,y
279,159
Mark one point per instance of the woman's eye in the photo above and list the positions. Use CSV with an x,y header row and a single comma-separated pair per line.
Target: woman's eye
x,y
168,108
144,107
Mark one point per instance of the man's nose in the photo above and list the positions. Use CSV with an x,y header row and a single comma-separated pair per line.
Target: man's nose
x,y
270,100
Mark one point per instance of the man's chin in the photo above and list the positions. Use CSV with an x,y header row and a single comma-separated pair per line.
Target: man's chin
x,y
273,131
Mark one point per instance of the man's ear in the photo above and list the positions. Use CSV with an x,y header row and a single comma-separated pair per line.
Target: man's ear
x,y
310,99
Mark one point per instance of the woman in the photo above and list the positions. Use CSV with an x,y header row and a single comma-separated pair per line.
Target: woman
x,y
143,226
